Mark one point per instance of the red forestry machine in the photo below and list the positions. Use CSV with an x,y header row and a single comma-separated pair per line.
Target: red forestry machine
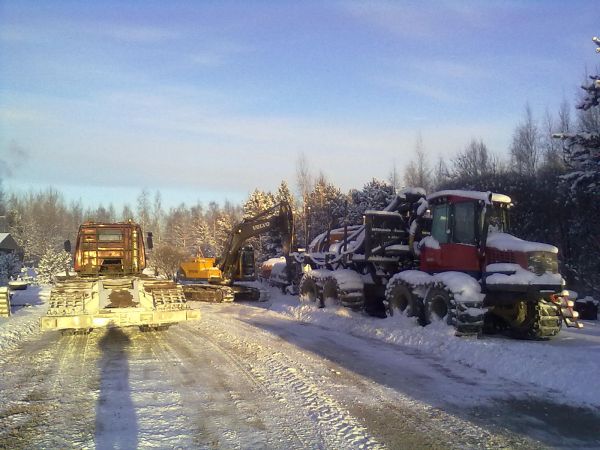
x,y
447,256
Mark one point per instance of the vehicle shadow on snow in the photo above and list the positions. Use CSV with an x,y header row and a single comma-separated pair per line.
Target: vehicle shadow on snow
x,y
116,423
425,379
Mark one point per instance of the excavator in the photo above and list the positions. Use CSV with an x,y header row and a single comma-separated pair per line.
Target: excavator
x,y
212,280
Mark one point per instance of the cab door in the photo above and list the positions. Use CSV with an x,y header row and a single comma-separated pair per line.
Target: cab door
x,y
454,230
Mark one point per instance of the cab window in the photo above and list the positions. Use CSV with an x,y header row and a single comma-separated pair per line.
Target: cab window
x,y
439,227
464,223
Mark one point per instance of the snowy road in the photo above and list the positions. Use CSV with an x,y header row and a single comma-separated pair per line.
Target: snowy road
x,y
249,377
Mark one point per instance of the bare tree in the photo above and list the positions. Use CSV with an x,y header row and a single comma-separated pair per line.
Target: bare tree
x,y
143,209
474,161
394,178
304,177
552,150
418,172
442,174
525,146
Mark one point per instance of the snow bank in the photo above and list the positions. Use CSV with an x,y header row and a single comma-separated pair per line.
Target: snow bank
x,y
28,307
557,367
506,242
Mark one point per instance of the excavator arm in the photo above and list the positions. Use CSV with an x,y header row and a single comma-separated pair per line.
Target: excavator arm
x,y
278,218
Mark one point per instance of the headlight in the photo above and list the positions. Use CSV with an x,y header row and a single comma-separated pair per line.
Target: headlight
x,y
542,262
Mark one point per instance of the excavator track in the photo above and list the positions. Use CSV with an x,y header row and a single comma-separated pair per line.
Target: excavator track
x,y
214,293
211,293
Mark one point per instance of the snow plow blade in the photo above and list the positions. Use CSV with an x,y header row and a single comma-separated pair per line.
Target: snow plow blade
x,y
118,317
84,304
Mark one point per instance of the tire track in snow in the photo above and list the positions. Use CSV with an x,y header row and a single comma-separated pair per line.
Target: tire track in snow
x,y
45,381
334,426
286,434
161,418
397,419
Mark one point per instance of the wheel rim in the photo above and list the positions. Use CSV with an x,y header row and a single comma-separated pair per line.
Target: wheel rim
x,y
330,292
438,307
309,291
399,300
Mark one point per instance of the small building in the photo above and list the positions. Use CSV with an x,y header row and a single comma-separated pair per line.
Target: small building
x,y
9,245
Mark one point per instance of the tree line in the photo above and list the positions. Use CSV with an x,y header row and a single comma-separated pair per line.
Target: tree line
x,y
551,171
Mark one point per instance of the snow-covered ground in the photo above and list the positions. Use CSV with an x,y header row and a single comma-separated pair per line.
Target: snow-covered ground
x,y
567,367
27,307
281,374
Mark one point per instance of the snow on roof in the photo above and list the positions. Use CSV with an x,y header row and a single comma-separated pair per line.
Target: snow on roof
x,y
382,213
508,242
524,277
414,190
476,195
8,242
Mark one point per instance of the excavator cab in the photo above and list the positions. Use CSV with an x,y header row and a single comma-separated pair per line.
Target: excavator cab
x,y
246,265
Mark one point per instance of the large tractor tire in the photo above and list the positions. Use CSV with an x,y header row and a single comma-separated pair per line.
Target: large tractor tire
x,y
308,290
534,320
440,304
337,294
401,300
331,292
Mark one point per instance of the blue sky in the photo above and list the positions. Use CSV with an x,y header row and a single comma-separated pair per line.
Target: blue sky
x,y
208,100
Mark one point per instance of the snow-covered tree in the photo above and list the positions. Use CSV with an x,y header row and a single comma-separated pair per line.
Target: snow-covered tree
x,y
284,194
52,263
10,266
327,207
179,231
257,203
166,258
375,195
582,184
38,221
